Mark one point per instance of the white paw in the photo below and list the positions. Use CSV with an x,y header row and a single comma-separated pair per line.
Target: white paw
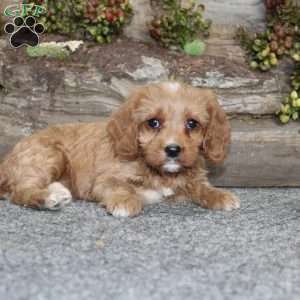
x,y
59,196
120,212
233,203
151,196
155,196
168,192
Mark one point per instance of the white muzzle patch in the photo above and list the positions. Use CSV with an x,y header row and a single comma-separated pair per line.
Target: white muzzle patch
x,y
171,166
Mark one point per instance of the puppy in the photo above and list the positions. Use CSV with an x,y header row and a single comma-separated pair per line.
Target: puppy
x,y
153,148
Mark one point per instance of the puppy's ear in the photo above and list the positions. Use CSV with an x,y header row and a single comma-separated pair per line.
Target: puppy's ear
x,y
123,130
217,135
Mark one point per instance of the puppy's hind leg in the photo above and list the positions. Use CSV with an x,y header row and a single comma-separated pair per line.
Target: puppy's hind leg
x,y
53,197
3,184
34,178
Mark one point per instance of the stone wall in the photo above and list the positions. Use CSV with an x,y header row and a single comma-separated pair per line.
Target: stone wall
x,y
3,5
230,13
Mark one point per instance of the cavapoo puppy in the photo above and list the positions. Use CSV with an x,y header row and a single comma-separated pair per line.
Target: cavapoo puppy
x,y
151,149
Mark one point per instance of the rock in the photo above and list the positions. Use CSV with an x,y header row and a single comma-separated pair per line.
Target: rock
x,y
143,13
235,12
263,154
94,83
216,79
250,13
151,70
3,5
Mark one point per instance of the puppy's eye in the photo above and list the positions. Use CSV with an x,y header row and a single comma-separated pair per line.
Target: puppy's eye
x,y
154,123
191,124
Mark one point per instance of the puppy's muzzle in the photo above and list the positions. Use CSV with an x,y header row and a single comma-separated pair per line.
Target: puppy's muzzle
x,y
173,150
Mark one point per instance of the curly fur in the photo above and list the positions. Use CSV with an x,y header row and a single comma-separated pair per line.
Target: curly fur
x,y
121,163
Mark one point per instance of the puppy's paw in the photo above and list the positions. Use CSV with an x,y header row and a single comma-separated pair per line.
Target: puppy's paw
x,y
221,200
125,210
229,202
59,196
120,212
124,207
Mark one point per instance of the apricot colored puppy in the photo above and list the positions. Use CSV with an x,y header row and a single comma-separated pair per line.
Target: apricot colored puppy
x,y
151,149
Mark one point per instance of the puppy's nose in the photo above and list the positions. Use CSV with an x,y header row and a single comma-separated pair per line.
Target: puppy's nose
x,y
173,150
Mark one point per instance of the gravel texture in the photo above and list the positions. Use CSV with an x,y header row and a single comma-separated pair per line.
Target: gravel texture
x,y
177,251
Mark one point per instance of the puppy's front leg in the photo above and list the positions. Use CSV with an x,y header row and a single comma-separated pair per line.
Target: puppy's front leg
x,y
210,197
119,198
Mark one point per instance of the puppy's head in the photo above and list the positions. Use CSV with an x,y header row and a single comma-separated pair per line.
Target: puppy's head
x,y
170,125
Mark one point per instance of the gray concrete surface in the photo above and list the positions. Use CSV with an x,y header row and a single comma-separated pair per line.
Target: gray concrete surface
x,y
170,252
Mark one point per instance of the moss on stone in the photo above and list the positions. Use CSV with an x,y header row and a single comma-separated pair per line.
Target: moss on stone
x,y
50,51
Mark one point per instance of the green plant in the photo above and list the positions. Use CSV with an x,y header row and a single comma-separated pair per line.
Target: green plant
x,y
260,53
196,47
179,25
290,108
281,39
97,20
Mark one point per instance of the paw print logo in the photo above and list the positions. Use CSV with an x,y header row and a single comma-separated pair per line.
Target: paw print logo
x,y
24,32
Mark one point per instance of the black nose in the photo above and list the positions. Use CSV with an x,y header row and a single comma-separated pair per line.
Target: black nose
x,y
173,150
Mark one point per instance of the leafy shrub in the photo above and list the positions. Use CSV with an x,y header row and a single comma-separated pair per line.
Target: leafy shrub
x,y
97,20
290,108
281,39
179,25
